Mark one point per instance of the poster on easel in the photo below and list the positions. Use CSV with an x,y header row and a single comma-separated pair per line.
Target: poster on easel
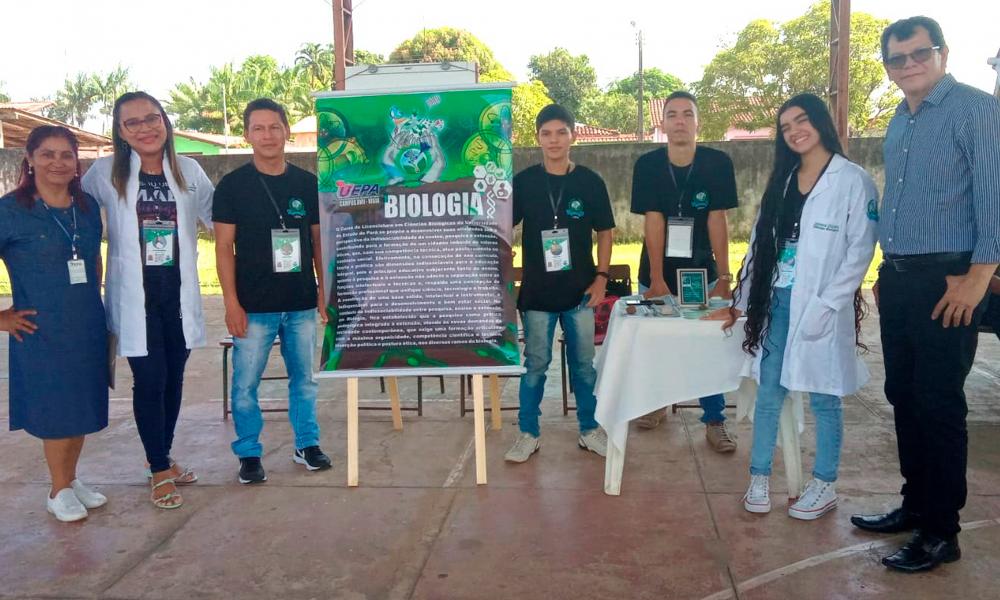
x,y
416,220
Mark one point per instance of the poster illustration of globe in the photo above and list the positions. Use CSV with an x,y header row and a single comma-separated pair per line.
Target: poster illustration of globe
x,y
416,218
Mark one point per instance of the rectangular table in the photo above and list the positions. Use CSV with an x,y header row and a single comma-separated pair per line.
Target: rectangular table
x,y
650,362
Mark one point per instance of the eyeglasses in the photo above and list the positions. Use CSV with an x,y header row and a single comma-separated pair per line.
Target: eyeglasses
x,y
151,121
920,55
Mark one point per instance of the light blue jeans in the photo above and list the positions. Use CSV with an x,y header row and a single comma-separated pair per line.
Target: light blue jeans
x,y
712,407
771,396
578,329
298,346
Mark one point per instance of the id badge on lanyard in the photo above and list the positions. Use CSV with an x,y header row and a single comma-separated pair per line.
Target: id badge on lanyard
x,y
75,265
158,243
786,263
286,250
680,237
286,244
555,249
77,271
680,229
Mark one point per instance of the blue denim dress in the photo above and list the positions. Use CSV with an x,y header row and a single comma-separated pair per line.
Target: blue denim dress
x,y
59,374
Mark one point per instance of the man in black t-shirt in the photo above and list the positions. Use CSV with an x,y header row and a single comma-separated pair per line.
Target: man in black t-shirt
x,y
683,191
560,206
267,244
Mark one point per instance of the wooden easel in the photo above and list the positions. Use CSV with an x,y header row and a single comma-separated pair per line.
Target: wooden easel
x,y
479,421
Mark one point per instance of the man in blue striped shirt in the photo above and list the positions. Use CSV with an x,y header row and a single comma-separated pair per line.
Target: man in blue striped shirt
x,y
940,233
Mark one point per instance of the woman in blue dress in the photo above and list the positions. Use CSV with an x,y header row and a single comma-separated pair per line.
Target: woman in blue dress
x,y
50,241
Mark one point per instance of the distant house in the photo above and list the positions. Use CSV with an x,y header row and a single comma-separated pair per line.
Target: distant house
x,y
17,119
304,133
589,134
196,142
735,132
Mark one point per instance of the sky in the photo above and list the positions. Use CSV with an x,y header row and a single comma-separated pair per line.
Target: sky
x,y
164,43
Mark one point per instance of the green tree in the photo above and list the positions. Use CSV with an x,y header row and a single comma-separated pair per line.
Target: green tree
x,y
655,84
770,62
3,94
216,106
527,100
612,110
316,61
109,86
451,45
366,57
569,79
74,103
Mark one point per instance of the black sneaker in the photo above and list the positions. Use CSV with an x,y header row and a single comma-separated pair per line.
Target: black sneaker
x,y
251,471
313,458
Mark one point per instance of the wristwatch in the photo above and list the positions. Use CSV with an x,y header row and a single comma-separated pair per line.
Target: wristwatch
x,y
726,276
603,274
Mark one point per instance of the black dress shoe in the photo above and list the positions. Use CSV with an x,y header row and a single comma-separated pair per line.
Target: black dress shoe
x,y
924,552
893,522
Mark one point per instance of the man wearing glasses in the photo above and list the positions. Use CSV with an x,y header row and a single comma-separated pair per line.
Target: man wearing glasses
x,y
940,233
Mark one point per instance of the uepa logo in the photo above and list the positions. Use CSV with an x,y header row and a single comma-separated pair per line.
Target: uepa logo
x,y
357,190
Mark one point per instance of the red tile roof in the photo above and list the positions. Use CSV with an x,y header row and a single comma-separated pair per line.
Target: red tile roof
x,y
589,134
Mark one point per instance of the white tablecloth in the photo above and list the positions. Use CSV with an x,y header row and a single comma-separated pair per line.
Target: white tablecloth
x,y
649,362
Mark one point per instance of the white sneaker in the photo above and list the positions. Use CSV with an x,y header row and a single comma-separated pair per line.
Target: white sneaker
x,y
595,440
66,507
88,497
758,496
819,498
525,445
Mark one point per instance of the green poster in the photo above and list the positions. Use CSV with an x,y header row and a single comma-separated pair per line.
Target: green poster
x,y
416,219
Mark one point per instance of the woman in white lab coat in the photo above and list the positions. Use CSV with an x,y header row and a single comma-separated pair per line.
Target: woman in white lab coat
x,y
800,290
153,200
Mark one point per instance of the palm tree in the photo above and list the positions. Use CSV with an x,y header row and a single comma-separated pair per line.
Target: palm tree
x,y
192,106
75,101
316,60
109,87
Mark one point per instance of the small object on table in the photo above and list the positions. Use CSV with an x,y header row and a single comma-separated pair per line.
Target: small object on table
x,y
693,313
719,302
630,310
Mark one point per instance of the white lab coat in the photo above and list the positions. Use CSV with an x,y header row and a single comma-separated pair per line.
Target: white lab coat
x,y
837,238
124,297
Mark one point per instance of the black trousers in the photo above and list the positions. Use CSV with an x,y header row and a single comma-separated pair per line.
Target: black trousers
x,y
925,370
159,376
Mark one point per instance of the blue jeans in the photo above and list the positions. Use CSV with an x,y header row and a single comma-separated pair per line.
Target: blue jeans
x,y
298,345
578,329
712,407
771,396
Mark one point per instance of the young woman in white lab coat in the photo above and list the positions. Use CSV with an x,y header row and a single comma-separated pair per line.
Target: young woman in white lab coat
x,y
800,290
153,200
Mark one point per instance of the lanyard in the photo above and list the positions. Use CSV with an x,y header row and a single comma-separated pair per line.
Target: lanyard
x,y
799,209
680,191
553,201
273,203
72,238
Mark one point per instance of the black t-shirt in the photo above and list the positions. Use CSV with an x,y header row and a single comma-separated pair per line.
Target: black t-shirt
x,y
584,209
242,200
709,184
156,201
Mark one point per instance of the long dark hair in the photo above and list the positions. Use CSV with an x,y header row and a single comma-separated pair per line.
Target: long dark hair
x,y
122,165
26,189
765,245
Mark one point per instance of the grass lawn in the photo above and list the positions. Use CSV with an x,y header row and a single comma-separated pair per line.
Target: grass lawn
x,y
623,253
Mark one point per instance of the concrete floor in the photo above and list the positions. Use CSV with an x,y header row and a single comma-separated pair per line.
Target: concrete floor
x,y
419,527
